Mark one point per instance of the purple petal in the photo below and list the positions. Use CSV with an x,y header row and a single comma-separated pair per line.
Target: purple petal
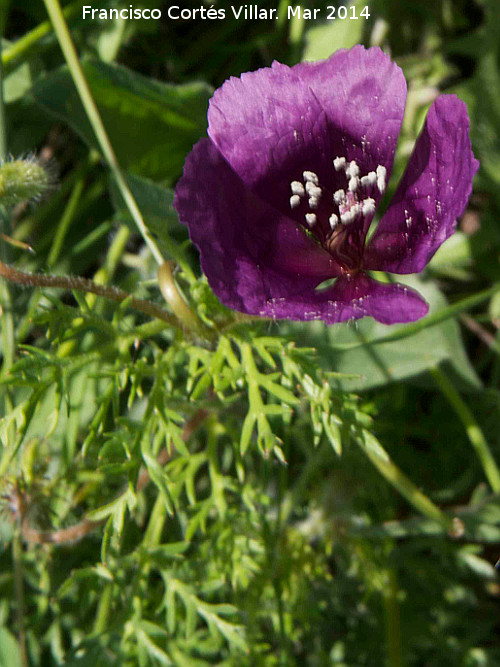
x,y
249,252
273,124
433,192
351,298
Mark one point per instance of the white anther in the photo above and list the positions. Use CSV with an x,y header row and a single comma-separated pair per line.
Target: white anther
x,y
347,217
353,183
313,202
294,201
311,219
313,190
311,177
352,169
333,220
368,206
356,209
369,179
297,188
381,174
339,163
339,197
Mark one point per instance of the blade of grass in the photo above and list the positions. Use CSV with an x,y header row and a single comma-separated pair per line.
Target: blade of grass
x,y
472,428
381,460
26,45
68,48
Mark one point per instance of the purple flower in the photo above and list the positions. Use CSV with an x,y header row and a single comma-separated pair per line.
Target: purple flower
x,y
280,198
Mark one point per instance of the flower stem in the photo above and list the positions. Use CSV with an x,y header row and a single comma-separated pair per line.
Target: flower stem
x,y
71,56
472,428
176,301
381,460
85,285
17,558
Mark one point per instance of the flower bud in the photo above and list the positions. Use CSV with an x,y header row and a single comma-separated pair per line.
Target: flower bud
x,y
23,180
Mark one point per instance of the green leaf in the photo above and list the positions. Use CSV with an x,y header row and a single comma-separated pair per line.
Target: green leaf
x,y
156,205
375,364
10,653
151,125
323,40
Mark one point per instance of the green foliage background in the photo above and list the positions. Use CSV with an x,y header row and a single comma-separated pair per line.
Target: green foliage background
x,y
208,489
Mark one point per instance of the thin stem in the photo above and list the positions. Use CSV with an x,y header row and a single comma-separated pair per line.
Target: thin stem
x,y
393,621
381,460
22,48
85,285
17,558
3,135
426,322
472,428
71,56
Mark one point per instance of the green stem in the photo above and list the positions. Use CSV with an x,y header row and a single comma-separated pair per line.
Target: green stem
x,y
17,558
71,56
65,222
472,428
25,45
393,621
176,301
426,322
381,460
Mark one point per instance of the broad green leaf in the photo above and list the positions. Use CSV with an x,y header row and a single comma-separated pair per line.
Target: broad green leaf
x,y
376,364
151,125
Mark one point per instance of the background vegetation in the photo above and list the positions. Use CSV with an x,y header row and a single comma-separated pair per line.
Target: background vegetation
x,y
181,486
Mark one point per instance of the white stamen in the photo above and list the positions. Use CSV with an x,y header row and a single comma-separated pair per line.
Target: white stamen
x,y
381,174
339,197
313,190
353,183
356,209
313,202
311,177
368,206
369,179
352,169
311,219
347,217
333,220
294,201
339,163
297,188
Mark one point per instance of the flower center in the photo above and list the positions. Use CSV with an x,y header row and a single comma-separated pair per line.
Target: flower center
x,y
326,212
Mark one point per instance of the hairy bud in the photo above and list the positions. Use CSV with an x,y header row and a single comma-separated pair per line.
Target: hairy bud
x,y
23,180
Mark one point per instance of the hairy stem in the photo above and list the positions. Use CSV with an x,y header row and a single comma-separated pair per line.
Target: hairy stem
x,y
85,285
